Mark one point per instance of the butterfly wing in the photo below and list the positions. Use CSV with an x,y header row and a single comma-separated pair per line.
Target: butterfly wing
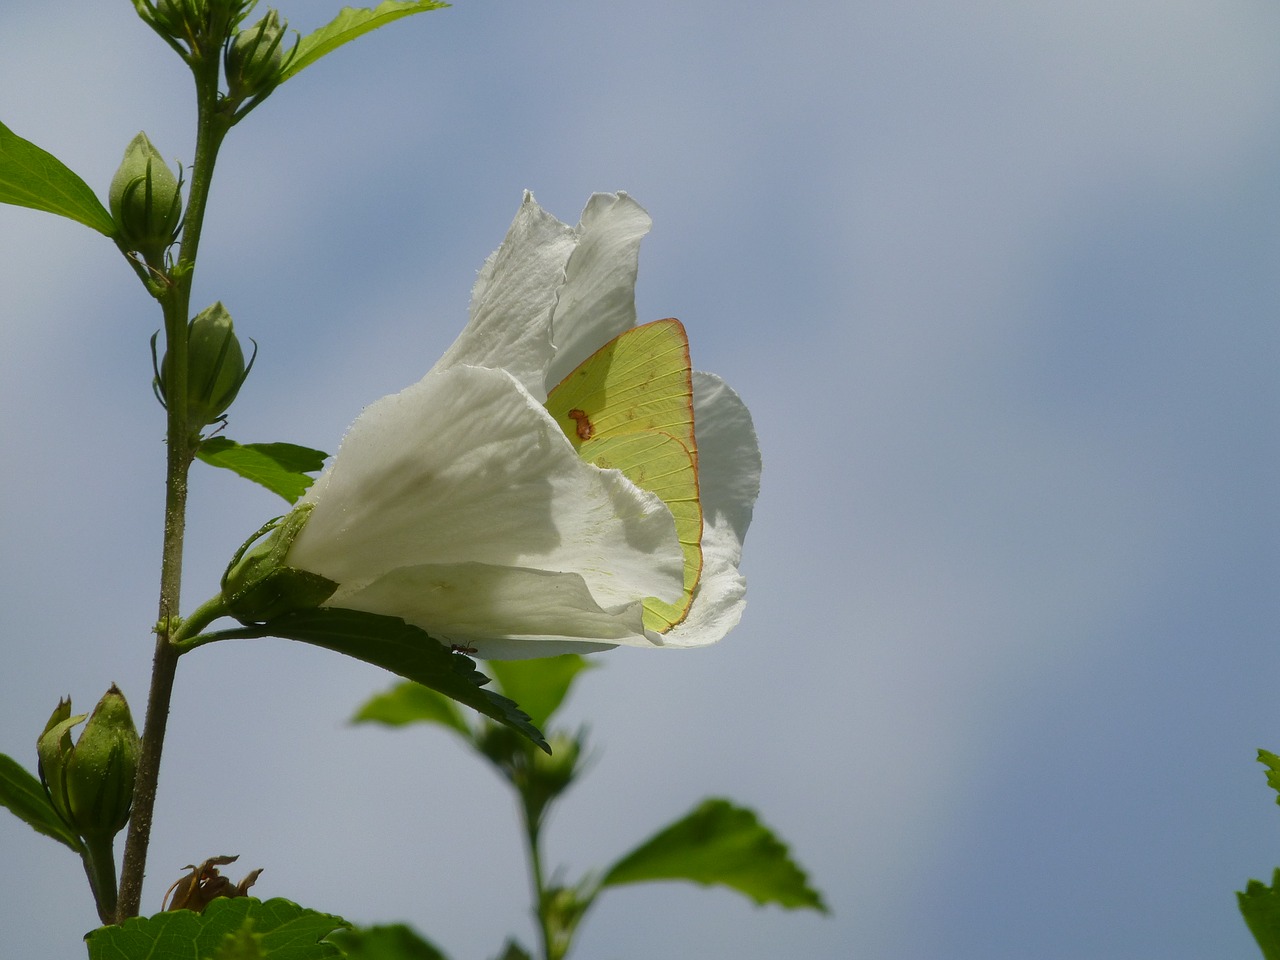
x,y
629,406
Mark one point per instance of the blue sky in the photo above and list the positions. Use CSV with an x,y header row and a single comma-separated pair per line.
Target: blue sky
x,y
998,282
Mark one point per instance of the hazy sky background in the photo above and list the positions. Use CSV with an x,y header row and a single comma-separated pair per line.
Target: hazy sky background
x,y
999,283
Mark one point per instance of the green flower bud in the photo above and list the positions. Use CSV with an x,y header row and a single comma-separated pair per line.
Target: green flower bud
x,y
171,17
90,783
538,777
564,908
254,58
145,199
215,367
201,24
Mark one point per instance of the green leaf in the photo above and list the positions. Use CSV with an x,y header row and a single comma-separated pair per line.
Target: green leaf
x,y
1272,763
719,843
392,942
31,177
278,929
24,795
538,685
404,649
1260,906
411,702
350,23
280,467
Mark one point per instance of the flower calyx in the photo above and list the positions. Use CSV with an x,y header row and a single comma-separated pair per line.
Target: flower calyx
x,y
205,884
90,782
146,201
216,369
259,586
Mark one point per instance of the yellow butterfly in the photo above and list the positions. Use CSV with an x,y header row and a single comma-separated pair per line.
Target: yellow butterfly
x,y
629,407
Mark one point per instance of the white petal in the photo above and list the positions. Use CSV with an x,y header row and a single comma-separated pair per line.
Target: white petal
x,y
728,453
728,481
501,612
598,300
465,466
513,299
499,649
719,598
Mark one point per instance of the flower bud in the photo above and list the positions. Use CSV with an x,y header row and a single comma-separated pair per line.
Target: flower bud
x,y
538,777
171,17
215,367
145,199
202,24
90,783
253,60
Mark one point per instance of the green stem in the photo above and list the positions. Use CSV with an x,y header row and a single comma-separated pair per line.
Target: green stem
x,y
211,127
532,837
100,864
152,277
200,618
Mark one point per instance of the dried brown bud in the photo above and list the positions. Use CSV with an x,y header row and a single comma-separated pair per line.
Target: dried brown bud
x,y
204,884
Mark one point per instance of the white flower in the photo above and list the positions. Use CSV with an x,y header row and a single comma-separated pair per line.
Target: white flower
x,y
460,506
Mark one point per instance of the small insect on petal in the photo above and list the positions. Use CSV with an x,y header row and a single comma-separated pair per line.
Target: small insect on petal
x,y
584,428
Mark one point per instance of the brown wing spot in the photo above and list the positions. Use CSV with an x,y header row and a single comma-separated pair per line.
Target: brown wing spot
x,y
585,429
